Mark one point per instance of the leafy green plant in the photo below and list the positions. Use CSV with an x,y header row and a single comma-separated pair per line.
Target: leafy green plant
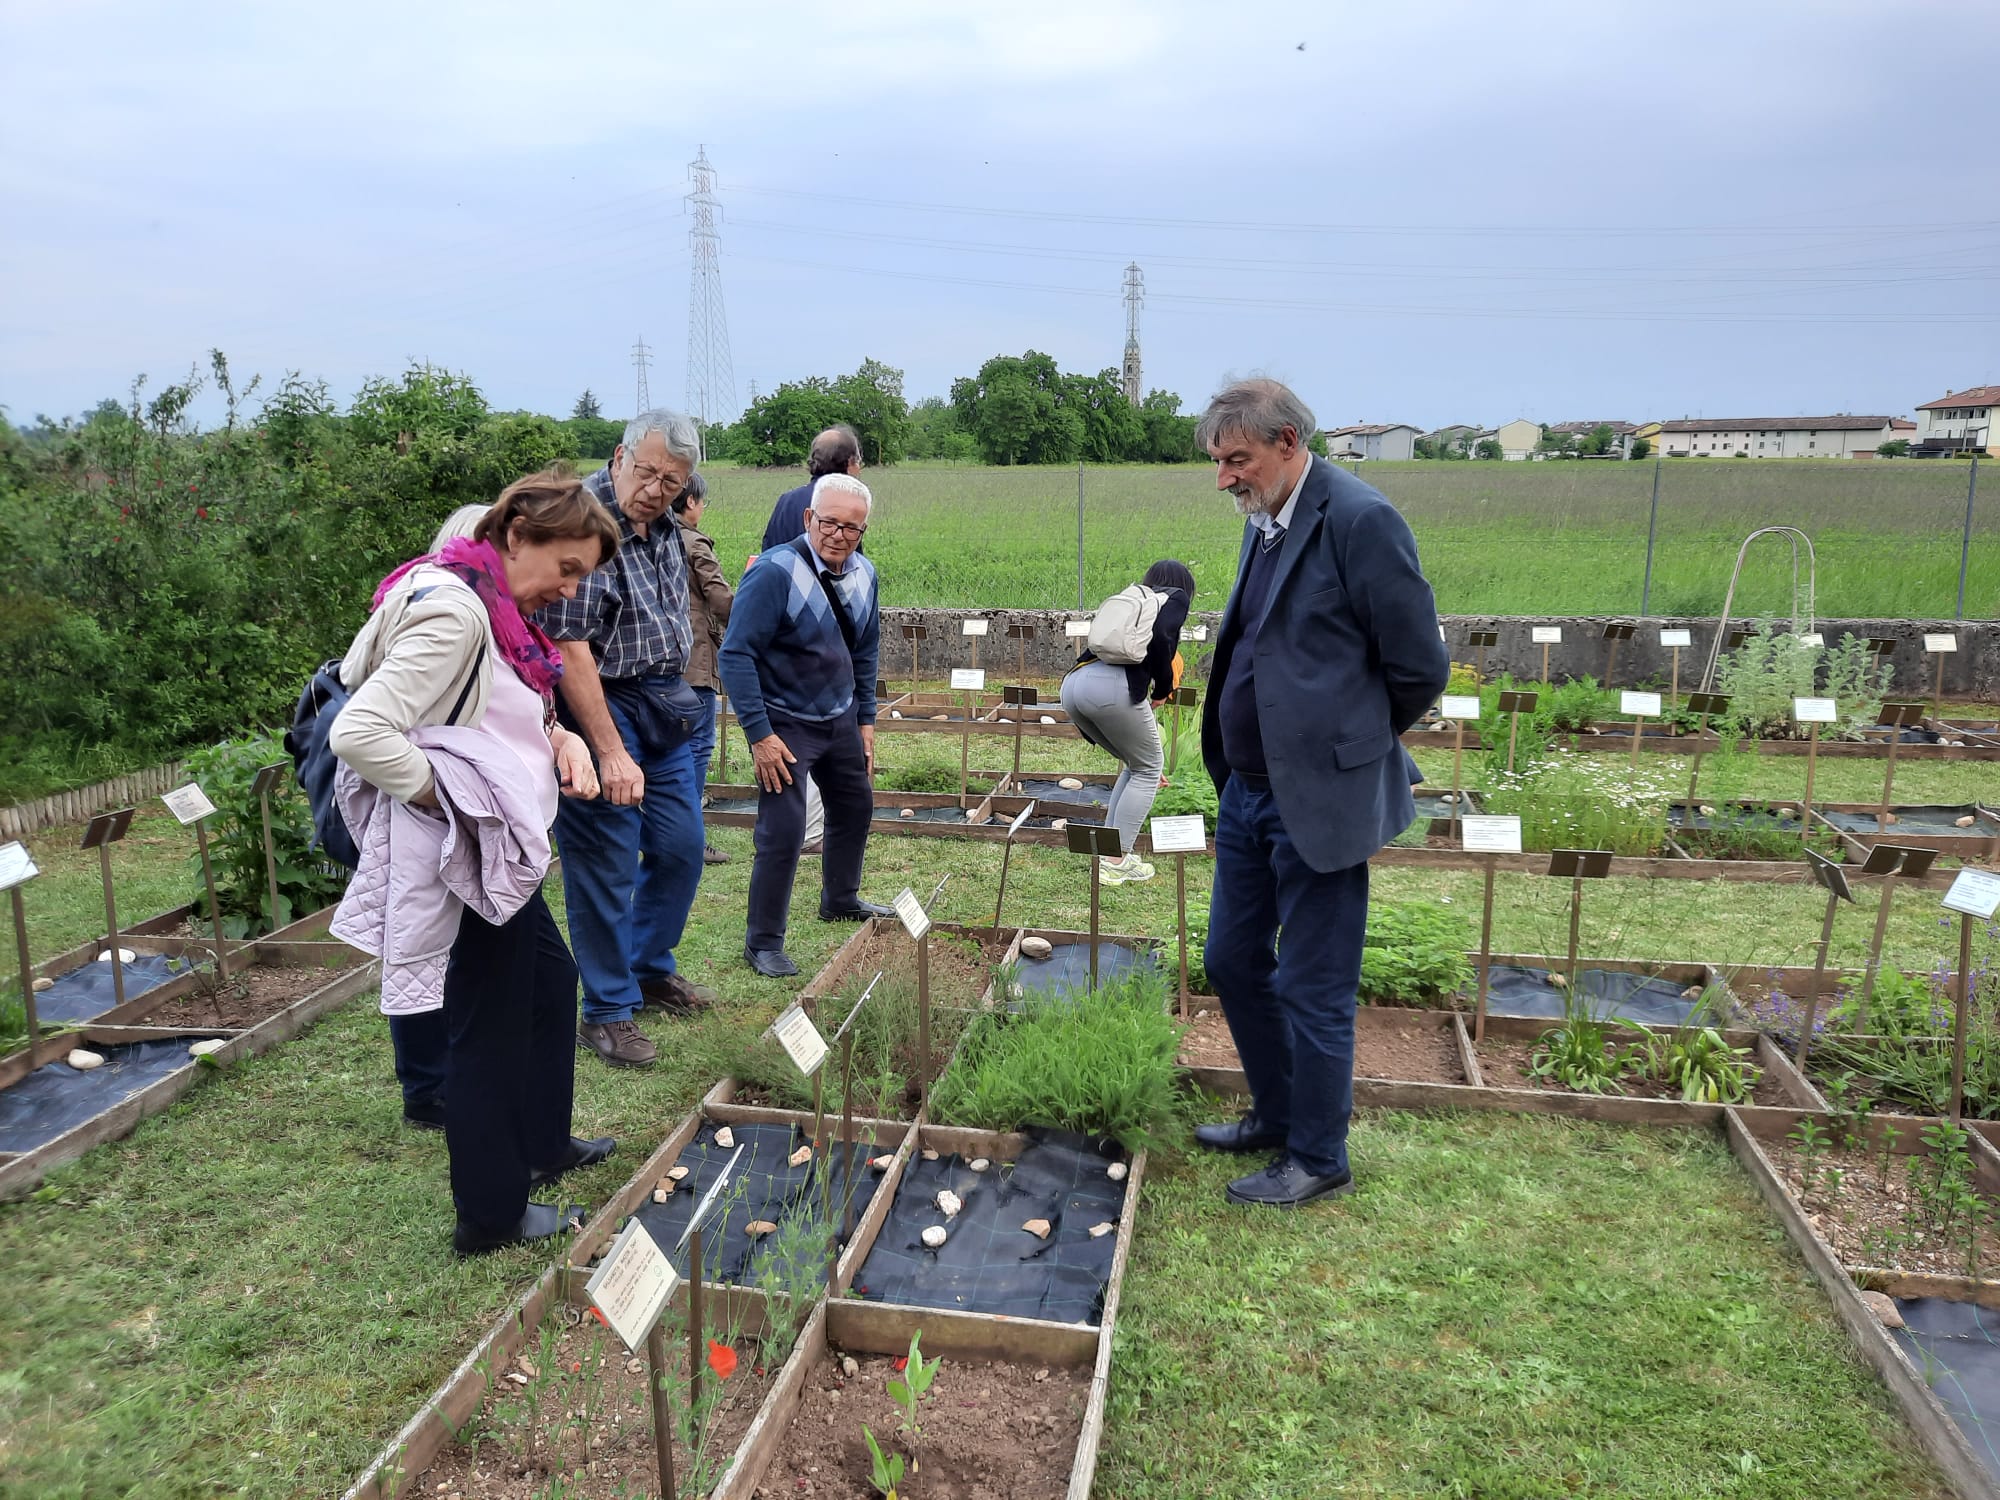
x,y
789,1270
1576,800
1772,667
1101,1063
1700,1063
1579,1053
1413,953
910,1385
885,1473
306,880
1812,1141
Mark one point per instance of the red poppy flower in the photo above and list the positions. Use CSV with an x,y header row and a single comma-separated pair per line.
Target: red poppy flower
x,y
201,511
721,1359
903,1363
600,1317
192,488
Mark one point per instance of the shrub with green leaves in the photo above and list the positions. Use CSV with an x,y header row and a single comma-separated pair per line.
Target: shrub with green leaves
x,y
307,880
1579,1053
1772,667
1100,1062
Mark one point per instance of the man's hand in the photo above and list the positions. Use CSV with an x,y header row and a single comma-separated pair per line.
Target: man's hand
x,y
574,768
624,782
772,758
868,748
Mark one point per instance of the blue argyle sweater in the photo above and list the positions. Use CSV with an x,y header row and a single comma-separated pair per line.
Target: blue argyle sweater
x,y
784,652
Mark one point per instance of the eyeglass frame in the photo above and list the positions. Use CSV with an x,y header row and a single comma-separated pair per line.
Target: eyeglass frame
x,y
841,528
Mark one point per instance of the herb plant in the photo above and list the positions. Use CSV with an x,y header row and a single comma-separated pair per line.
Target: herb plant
x,y
1579,1053
1699,1062
307,880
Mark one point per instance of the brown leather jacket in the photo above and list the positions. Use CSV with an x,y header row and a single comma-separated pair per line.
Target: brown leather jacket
x,y
709,598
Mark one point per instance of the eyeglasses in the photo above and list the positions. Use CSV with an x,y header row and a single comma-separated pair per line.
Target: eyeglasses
x,y
647,479
840,528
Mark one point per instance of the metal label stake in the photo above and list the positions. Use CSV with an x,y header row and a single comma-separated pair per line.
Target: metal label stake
x,y
1020,698
630,1289
191,806
1614,636
1546,636
1021,635
1834,879
1642,706
974,631
845,1037
1515,704
1896,717
1007,857
1578,865
17,868
1100,843
1674,640
966,680
1492,836
1887,861
914,634
1458,708
1479,640
1703,706
104,830
1180,837
266,782
691,1238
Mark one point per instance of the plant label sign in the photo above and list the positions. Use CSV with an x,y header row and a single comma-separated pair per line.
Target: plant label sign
x,y
1487,834
1454,707
188,803
1194,632
1186,835
800,1038
1076,629
1940,643
1975,893
1546,635
975,627
16,866
1815,710
1676,637
1812,638
916,921
967,679
632,1285
1639,705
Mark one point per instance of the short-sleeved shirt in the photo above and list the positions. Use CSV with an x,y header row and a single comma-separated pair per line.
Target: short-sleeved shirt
x,y
634,609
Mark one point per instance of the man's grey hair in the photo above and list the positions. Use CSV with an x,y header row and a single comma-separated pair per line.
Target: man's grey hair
x,y
841,484
1255,408
677,430
458,525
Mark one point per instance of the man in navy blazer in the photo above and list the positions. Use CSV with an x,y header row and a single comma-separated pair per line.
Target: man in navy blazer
x,y
1329,650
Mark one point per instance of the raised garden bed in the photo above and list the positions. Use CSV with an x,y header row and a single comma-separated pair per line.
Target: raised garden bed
x,y
1933,826
1419,1046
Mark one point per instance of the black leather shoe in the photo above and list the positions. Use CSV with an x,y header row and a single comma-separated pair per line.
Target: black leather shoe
x,y
860,911
427,1118
538,1222
772,963
1286,1184
1246,1134
582,1154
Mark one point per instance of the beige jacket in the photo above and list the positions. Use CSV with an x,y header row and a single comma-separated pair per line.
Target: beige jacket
x,y
427,651
709,598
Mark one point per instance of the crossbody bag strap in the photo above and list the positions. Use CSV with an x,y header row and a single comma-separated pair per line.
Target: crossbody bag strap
x,y
840,615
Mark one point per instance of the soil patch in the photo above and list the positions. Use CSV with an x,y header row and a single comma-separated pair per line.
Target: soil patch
x,y
1884,1220
961,969
991,1431
580,1411
252,995
1385,1046
1504,1065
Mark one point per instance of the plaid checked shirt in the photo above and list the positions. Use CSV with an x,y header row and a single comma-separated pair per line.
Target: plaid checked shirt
x,y
634,610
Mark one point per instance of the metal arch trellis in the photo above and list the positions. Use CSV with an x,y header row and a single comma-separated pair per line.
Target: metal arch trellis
x,y
1728,599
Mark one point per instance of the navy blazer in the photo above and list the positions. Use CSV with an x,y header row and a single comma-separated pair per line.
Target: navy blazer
x,y
1348,657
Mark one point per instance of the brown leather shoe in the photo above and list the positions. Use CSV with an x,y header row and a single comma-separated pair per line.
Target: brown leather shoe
x,y
619,1043
675,995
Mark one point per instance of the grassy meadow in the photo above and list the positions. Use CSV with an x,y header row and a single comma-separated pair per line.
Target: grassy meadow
x,y
1497,538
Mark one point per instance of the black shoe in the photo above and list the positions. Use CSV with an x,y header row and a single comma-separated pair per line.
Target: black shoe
x,y
860,911
1245,1134
1286,1184
538,1222
772,963
582,1154
424,1117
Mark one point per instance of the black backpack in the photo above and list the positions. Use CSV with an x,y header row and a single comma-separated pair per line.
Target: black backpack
x,y
313,761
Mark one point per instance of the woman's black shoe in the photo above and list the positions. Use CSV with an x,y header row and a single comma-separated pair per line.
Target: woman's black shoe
x,y
539,1222
582,1154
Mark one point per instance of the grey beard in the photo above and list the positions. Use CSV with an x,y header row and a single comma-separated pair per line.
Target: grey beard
x,y
1262,504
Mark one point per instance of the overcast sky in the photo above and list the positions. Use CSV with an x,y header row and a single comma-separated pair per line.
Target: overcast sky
x,y
1455,212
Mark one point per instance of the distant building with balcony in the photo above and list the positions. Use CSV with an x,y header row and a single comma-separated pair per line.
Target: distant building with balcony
x,y
1622,434
1959,423
1388,440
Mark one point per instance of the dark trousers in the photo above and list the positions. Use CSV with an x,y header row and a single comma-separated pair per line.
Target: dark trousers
x,y
831,754
510,1009
1290,1005
420,1040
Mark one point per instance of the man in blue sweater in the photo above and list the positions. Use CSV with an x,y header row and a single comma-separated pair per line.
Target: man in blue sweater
x,y
799,660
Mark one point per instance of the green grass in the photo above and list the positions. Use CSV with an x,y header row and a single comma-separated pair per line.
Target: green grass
x,y
252,1291
1500,538
1507,1307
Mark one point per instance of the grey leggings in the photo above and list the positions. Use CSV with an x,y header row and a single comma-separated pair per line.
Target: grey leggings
x,y
1099,702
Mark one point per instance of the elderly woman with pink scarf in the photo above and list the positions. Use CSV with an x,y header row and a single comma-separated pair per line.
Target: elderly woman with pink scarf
x,y
452,764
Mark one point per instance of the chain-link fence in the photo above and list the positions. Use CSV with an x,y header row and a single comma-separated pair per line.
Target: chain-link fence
x,y
1517,539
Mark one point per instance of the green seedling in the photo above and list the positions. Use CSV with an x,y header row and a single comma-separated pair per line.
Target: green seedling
x,y
886,1471
908,1388
1578,1054
1812,1140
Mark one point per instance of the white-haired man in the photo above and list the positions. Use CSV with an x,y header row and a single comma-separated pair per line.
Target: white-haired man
x,y
799,664
632,858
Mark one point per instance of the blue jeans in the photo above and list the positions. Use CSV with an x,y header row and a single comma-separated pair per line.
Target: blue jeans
x,y
629,878
702,745
1290,1006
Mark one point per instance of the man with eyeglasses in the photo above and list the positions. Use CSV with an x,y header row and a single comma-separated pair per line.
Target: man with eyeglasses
x,y
799,662
631,860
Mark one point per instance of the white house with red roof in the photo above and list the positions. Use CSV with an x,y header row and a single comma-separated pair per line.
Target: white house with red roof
x,y
1960,422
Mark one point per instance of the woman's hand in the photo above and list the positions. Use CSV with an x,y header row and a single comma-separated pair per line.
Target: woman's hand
x,y
574,767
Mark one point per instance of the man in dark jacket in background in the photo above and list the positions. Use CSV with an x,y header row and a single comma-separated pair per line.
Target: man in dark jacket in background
x,y
1329,650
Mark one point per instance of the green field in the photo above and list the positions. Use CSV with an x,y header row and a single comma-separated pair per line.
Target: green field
x,y
1496,538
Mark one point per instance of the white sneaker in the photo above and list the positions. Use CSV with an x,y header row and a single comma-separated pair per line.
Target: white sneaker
x,y
1123,871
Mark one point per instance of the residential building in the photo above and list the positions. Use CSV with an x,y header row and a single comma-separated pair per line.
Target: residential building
x,y
1645,432
1455,435
1841,436
1517,438
1388,440
1622,434
1960,422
